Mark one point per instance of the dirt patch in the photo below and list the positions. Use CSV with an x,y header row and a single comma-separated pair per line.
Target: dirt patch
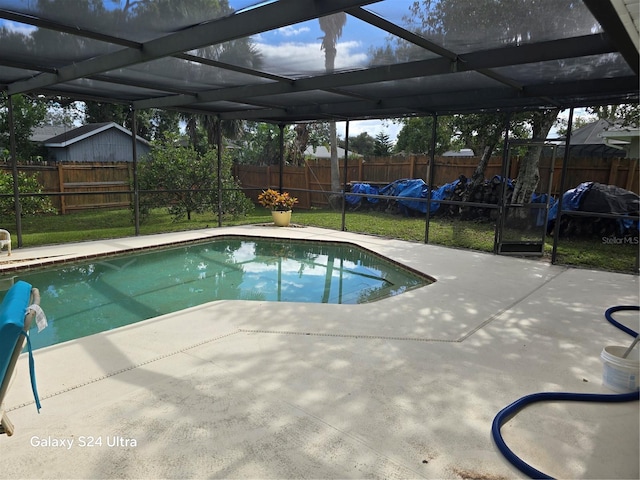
x,y
473,475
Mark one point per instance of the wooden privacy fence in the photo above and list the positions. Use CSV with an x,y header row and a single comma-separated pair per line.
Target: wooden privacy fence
x,y
313,181
68,183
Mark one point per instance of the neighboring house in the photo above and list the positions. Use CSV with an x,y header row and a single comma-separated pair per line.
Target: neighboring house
x,y
95,142
323,152
463,152
42,134
587,141
624,138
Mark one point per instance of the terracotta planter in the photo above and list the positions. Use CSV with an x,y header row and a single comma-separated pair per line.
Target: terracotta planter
x,y
281,218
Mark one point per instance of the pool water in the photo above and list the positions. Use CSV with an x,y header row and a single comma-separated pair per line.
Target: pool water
x,y
109,292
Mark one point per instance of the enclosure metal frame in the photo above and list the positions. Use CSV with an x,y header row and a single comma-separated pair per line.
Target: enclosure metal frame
x,y
571,93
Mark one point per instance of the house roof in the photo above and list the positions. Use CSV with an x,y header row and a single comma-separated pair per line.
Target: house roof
x,y
463,152
589,140
626,138
590,134
562,53
323,152
624,134
85,131
45,132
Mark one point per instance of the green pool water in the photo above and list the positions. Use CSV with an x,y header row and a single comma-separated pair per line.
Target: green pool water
x,y
86,298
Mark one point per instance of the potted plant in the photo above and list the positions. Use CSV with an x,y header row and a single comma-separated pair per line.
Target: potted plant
x,y
280,205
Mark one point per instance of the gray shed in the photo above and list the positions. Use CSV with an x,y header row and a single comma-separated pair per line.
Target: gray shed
x,y
95,142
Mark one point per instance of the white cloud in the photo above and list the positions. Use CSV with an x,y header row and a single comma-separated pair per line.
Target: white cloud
x,y
290,31
17,27
372,127
297,57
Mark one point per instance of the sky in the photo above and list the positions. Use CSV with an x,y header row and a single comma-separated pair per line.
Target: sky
x,y
295,50
372,127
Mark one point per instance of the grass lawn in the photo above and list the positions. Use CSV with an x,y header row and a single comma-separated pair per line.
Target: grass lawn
x,y
103,224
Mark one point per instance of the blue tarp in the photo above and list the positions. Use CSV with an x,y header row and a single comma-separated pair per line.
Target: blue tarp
x,y
441,193
362,188
598,198
413,189
407,189
571,200
541,198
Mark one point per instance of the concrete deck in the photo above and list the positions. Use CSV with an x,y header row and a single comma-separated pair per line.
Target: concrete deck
x,y
406,387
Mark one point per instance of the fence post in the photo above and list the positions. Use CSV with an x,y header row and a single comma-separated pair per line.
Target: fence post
x,y
427,173
63,203
307,183
613,171
631,173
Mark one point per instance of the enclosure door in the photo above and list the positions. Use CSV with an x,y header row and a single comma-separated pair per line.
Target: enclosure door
x,y
522,226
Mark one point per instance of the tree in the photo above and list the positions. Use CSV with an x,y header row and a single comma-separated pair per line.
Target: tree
x,y
628,114
28,112
481,133
332,26
505,22
415,135
185,181
382,145
314,134
137,15
364,144
261,145
529,174
63,112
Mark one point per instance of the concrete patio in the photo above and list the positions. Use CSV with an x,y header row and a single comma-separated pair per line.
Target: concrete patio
x,y
406,387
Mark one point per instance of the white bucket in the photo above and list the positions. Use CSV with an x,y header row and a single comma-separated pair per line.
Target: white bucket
x,y
620,374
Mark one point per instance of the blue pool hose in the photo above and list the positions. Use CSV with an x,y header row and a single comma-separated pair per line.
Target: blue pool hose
x,y
510,411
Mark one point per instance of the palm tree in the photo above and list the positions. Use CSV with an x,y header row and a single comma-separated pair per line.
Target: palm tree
x,y
332,26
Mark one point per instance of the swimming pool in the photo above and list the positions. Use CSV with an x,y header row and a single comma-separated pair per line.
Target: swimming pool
x,y
81,299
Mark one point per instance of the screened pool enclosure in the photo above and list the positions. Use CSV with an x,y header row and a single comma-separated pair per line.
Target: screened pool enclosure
x,y
291,61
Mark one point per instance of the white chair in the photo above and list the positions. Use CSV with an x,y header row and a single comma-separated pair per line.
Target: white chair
x,y
5,240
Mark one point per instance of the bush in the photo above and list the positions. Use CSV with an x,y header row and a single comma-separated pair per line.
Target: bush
x,y
30,205
184,181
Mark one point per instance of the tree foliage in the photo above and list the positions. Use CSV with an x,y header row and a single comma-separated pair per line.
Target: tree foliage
x,y
449,23
261,145
382,145
145,17
332,26
28,112
627,114
364,144
416,135
498,22
185,181
36,205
